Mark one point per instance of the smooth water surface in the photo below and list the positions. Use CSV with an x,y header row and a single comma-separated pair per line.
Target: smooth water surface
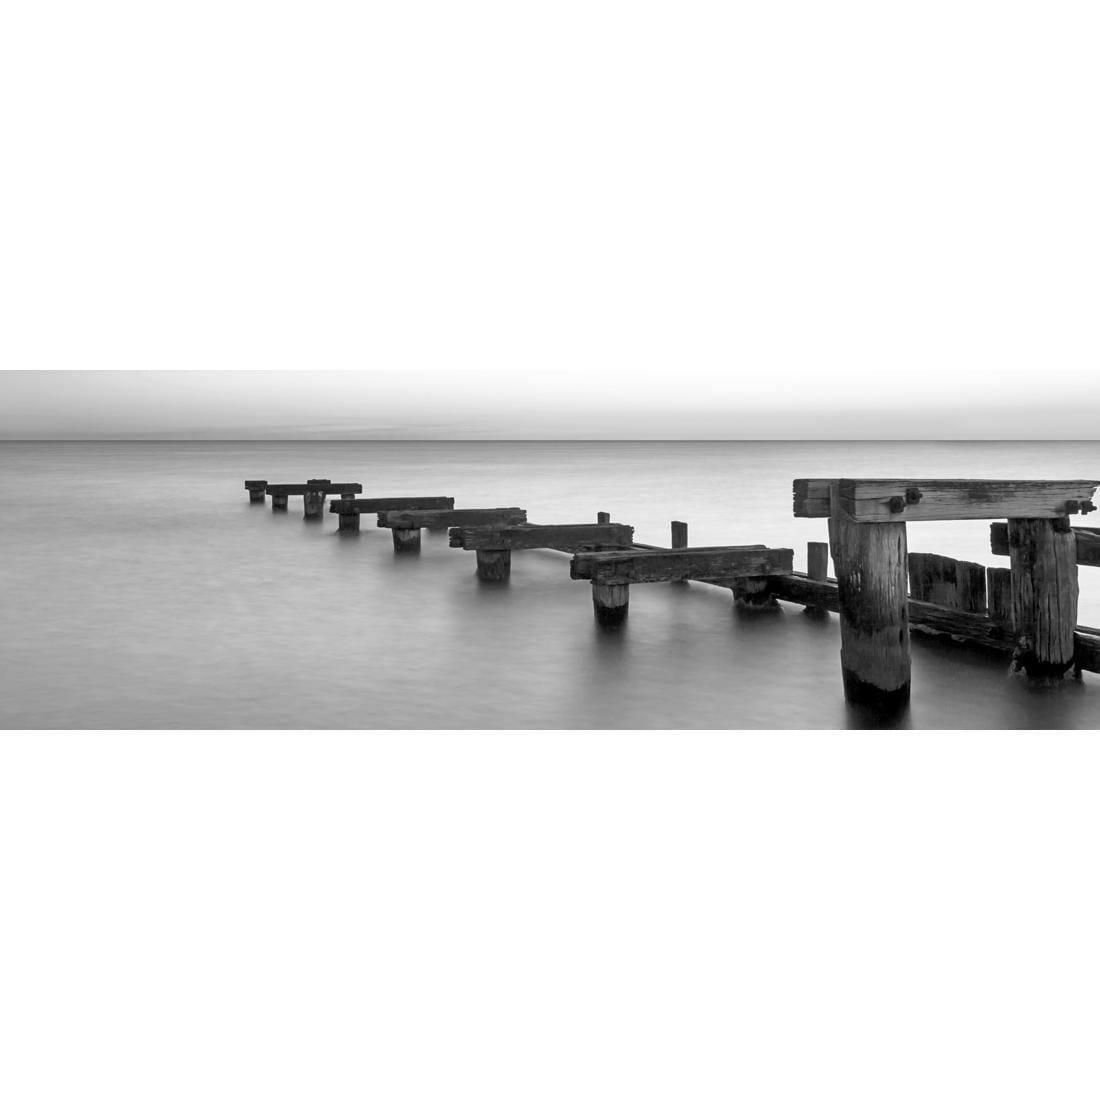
x,y
142,590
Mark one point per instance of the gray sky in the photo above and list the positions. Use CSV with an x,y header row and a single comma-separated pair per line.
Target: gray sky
x,y
460,404
725,219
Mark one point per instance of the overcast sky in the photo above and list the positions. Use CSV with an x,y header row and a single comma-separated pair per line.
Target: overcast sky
x,y
723,219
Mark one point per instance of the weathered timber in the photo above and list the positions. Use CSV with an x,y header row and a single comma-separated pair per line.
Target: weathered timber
x,y
572,537
406,540
359,505
1086,649
817,560
313,503
278,502
255,491
872,500
603,517
700,563
349,521
610,602
452,517
948,582
494,565
755,593
811,497
874,613
1043,554
998,587
299,489
679,535
1087,542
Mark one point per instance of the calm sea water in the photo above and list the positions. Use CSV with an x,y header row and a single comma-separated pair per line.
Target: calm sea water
x,y
142,590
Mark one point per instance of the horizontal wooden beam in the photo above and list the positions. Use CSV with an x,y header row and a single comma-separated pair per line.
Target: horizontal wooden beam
x,y
873,500
434,519
388,504
571,537
255,484
1086,648
298,489
1088,542
811,497
632,567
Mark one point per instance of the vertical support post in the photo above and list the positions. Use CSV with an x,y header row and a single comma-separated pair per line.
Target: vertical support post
x,y
679,535
256,492
406,540
1043,555
603,517
754,594
870,560
349,521
998,583
611,602
278,502
313,504
494,565
817,560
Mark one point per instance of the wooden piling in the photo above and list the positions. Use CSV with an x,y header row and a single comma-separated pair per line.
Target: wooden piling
x,y
313,504
611,602
256,494
494,565
349,521
1043,555
870,561
603,517
998,586
278,502
406,540
679,534
817,560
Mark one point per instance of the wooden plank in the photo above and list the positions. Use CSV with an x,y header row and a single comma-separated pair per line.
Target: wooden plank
x,y
811,497
388,504
947,582
999,593
255,484
572,537
870,562
1044,595
868,500
452,517
301,488
632,567
1087,538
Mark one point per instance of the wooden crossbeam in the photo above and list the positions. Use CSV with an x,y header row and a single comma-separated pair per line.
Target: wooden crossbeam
x,y
388,504
1088,542
701,563
571,537
874,500
811,497
434,519
298,489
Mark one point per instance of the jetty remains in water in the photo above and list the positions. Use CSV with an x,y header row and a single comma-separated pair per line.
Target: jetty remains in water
x,y
880,592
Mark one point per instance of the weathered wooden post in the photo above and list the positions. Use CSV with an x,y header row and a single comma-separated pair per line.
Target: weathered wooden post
x,y
817,561
679,534
1043,553
998,584
314,502
611,602
278,502
494,565
603,517
256,492
406,540
349,521
870,560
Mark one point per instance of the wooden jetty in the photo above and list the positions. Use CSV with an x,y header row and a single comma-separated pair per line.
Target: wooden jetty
x,y
494,545
312,492
881,592
349,510
255,491
407,524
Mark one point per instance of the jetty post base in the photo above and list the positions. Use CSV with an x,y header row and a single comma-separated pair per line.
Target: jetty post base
x,y
494,565
256,496
349,521
754,594
871,573
1043,580
313,505
611,602
406,540
278,503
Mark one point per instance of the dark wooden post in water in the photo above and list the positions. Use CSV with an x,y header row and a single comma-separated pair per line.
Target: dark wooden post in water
x,y
611,602
406,540
870,560
1043,553
679,535
256,491
817,560
313,499
494,565
278,502
603,517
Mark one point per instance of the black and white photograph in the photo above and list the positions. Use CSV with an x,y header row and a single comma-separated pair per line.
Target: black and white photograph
x,y
549,550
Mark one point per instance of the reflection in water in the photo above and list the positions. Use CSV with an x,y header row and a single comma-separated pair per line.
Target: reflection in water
x,y
167,600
